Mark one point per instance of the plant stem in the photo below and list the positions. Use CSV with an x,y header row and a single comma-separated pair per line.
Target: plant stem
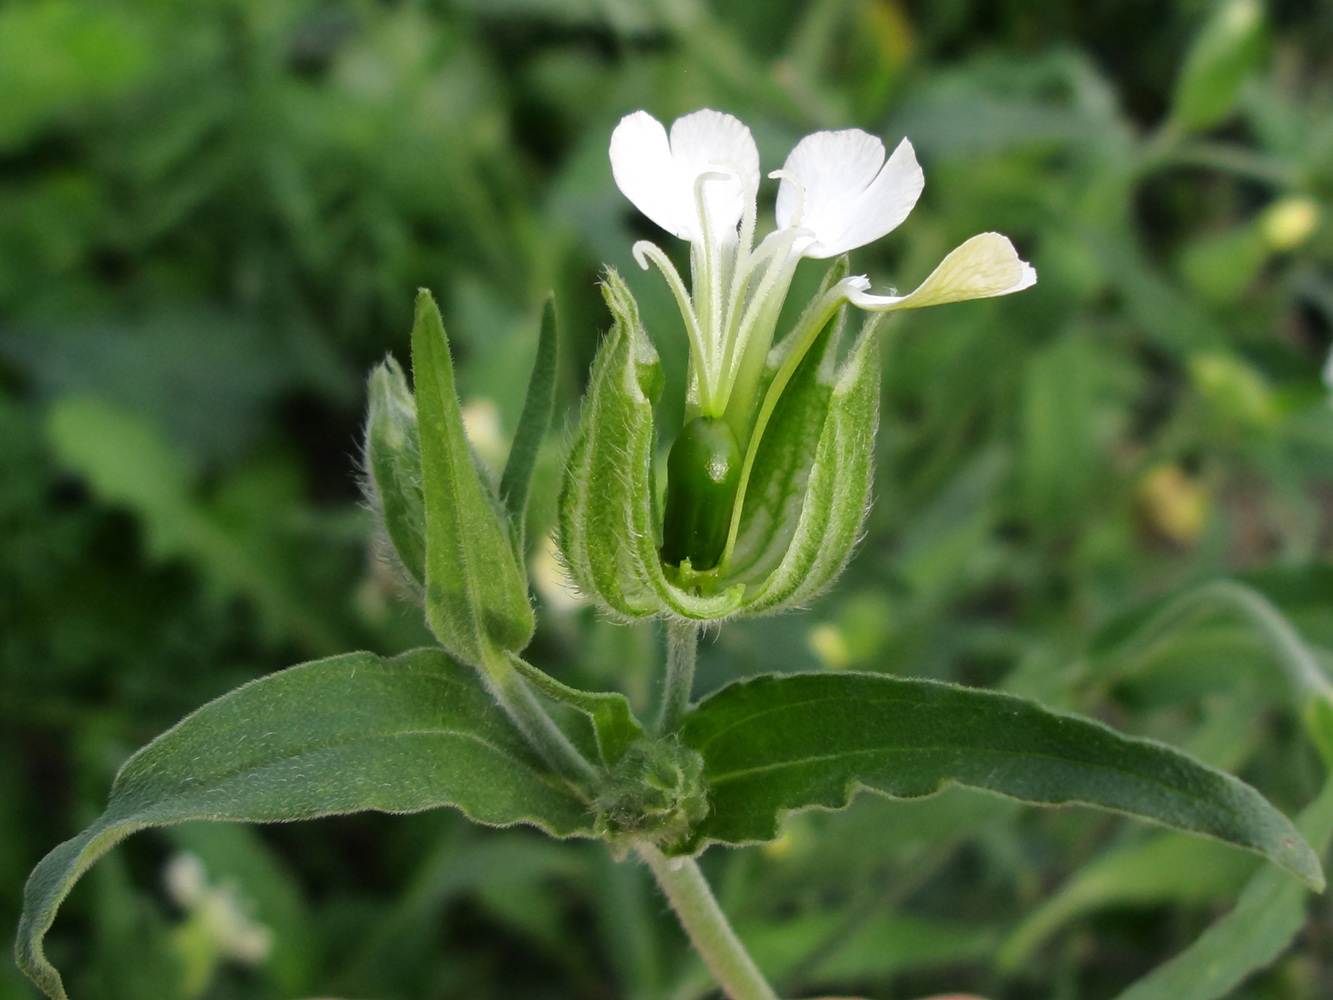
x,y
682,645
706,925
522,706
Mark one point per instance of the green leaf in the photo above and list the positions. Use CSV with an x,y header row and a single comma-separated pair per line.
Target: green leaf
x,y
1224,54
393,460
612,718
1061,453
60,57
476,590
346,734
1267,917
609,526
776,744
532,424
1123,645
1220,267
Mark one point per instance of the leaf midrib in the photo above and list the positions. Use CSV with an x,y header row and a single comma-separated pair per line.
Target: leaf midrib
x,y
716,779
218,779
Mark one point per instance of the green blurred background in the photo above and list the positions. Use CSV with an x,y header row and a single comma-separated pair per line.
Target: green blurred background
x,y
213,217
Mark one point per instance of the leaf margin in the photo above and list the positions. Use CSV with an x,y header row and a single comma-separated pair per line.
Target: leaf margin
x,y
1288,849
55,875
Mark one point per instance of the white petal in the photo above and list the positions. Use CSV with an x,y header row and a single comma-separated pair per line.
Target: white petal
x,y
658,174
642,166
851,197
985,266
709,140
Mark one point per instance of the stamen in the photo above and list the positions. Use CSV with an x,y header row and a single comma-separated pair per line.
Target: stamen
x,y
741,321
811,322
748,211
645,251
712,270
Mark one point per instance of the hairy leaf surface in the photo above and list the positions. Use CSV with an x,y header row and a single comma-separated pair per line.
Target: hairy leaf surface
x,y
613,721
346,734
476,590
775,744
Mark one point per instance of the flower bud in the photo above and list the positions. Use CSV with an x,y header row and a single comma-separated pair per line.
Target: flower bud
x,y
393,469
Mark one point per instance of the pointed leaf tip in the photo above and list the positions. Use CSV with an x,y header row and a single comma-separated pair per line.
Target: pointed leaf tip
x,y
400,735
533,423
476,588
780,743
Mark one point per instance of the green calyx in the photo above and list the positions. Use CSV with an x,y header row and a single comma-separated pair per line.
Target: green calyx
x,y
656,792
749,526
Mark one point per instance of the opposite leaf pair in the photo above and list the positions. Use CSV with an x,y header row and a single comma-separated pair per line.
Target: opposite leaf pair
x,y
421,731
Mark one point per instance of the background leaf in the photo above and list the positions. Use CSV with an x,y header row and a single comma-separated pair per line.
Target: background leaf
x,y
128,461
1168,868
1267,917
1225,52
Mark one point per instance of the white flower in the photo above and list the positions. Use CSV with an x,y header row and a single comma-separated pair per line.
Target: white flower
x,y
838,186
837,193
701,179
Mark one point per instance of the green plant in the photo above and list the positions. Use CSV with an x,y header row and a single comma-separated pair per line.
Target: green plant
x,y
766,491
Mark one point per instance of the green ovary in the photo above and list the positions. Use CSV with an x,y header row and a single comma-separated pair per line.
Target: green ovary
x,y
703,473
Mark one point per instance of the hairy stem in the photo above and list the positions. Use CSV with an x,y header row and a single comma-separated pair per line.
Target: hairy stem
x,y
540,730
682,645
685,887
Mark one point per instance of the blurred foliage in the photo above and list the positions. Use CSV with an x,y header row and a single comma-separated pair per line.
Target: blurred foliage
x,y
213,216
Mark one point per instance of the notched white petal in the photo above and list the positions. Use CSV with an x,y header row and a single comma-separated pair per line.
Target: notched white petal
x,y
710,141
985,266
659,173
642,166
844,190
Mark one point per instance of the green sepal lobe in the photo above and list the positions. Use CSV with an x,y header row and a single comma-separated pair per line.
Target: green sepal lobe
x,y
608,528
